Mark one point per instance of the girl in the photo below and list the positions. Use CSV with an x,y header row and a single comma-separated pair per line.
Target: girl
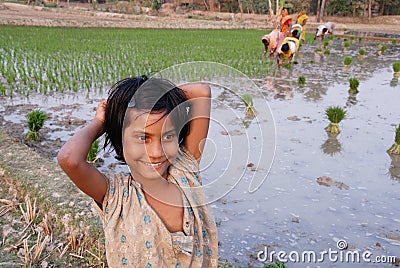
x,y
155,216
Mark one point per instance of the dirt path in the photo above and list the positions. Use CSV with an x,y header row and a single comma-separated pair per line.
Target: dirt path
x,y
82,15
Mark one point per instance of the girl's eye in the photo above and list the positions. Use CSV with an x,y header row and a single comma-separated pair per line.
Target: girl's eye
x,y
169,137
142,138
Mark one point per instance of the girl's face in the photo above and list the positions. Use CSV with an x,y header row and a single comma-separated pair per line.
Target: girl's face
x,y
150,144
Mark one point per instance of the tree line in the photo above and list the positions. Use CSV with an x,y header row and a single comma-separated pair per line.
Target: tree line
x,y
354,8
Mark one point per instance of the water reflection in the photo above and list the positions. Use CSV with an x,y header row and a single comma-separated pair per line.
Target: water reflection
x,y
351,100
395,80
394,168
331,146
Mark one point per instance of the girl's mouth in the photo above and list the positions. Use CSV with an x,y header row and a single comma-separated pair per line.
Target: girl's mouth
x,y
156,165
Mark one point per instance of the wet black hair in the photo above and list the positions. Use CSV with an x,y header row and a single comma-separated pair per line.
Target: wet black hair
x,y
158,99
295,33
265,41
285,47
325,30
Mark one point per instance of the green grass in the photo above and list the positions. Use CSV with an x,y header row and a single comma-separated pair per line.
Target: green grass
x,y
335,114
354,83
248,101
94,150
89,59
397,137
36,120
347,61
301,80
396,67
395,149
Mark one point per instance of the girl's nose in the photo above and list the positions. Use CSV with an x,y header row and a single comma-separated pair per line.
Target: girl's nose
x,y
155,149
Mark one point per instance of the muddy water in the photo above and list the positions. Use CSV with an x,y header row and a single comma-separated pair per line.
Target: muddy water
x,y
358,198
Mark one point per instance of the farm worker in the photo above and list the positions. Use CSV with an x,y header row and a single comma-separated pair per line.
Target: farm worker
x,y
296,31
155,215
285,22
287,50
324,29
302,20
273,41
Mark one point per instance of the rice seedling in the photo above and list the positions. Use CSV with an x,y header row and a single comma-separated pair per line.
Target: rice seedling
x,y
383,48
288,66
396,67
248,101
354,83
361,52
335,114
347,61
326,43
93,151
394,42
327,52
36,120
69,65
301,80
277,264
346,44
395,149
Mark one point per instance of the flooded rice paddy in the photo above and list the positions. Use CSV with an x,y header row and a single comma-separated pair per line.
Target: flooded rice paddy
x,y
320,189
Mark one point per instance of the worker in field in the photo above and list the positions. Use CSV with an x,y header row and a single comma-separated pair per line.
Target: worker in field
x,y
296,31
287,50
324,29
285,22
272,41
302,20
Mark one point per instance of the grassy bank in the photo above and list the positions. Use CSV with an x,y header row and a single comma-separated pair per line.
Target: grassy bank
x,y
45,220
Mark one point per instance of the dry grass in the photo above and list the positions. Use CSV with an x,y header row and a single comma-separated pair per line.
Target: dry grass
x,y
34,232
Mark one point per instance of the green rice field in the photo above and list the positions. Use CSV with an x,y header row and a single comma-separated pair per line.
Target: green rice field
x,y
74,59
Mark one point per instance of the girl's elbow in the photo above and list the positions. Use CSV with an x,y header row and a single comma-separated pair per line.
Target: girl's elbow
x,y
205,90
66,161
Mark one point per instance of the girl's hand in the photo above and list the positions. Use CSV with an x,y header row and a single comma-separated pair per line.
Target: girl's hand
x,y
101,112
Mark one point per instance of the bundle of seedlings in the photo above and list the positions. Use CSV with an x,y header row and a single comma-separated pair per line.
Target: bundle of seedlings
x,y
354,83
248,101
383,49
93,151
396,68
36,120
347,61
335,114
301,80
395,149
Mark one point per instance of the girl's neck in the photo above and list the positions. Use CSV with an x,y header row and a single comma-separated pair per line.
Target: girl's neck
x,y
152,186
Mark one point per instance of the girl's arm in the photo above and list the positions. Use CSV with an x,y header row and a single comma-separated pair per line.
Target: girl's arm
x,y
199,95
72,157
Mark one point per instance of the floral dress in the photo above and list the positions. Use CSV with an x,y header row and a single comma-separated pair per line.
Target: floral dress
x,y
137,237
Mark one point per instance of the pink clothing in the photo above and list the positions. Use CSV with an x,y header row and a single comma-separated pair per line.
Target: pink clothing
x,y
274,39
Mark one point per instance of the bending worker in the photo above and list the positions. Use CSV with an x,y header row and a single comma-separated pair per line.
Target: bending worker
x,y
287,50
